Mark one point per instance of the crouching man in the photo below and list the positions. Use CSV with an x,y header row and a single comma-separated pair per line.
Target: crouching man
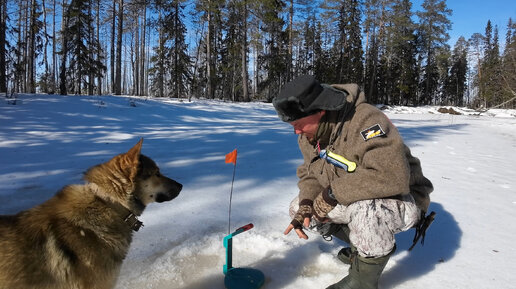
x,y
358,182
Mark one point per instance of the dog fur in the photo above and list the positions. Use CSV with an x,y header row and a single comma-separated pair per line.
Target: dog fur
x,y
79,238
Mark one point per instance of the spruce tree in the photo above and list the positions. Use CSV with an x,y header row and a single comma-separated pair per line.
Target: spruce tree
x,y
401,51
491,67
375,29
433,27
178,58
274,59
509,64
77,44
456,83
347,49
233,45
170,72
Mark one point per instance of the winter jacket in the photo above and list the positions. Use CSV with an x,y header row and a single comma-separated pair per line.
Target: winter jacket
x,y
362,134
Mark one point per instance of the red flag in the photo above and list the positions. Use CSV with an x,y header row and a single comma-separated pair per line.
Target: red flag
x,y
231,157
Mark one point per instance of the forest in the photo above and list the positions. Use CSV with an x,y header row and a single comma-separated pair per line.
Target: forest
x,y
243,50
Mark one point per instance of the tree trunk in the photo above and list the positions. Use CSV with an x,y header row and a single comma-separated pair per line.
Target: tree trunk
x,y
136,83
142,51
91,50
177,72
31,57
3,68
118,73
290,40
112,58
54,49
64,53
161,60
18,83
45,56
209,68
99,76
245,88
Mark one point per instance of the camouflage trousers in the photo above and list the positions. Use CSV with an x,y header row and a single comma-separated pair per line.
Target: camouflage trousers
x,y
372,223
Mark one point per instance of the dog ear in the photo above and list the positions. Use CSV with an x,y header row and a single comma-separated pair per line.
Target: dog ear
x,y
134,152
131,158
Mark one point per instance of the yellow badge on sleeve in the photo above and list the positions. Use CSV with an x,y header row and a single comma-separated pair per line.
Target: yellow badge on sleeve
x,y
372,132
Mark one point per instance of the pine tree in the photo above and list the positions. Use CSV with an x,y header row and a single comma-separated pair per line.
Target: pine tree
x,y
3,52
210,14
179,60
491,67
274,59
234,45
443,65
401,54
434,26
475,43
323,67
375,30
157,70
307,55
456,84
82,67
347,50
509,64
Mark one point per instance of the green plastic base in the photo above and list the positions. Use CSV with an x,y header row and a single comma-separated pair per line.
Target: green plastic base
x,y
244,278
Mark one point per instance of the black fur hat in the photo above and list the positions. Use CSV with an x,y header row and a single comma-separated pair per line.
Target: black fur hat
x,y
305,96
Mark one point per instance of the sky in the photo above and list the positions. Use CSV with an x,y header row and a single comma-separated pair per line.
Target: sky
x,y
471,16
48,141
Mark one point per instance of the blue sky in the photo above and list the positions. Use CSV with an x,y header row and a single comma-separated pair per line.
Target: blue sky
x,y
471,16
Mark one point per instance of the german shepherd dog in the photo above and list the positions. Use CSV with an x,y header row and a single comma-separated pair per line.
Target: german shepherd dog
x,y
79,238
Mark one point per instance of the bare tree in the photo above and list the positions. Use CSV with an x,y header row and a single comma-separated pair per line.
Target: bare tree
x,y
112,55
64,52
3,67
118,64
31,52
142,50
245,89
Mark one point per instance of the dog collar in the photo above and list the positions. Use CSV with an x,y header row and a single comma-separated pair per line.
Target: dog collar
x,y
128,216
133,222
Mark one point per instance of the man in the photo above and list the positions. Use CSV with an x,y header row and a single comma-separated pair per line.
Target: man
x,y
358,182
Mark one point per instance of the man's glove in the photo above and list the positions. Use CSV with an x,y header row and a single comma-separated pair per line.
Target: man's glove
x,y
323,204
305,211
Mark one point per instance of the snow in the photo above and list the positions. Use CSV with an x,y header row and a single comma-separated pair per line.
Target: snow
x,y
48,141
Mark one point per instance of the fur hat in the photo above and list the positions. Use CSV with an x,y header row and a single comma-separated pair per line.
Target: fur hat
x,y
305,96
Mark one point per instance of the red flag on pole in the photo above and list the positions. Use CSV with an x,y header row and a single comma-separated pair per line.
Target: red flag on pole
x,y
231,157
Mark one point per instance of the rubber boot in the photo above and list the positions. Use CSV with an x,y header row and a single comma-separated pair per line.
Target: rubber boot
x,y
345,255
364,273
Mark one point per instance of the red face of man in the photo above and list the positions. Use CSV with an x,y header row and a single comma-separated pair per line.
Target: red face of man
x,y
308,125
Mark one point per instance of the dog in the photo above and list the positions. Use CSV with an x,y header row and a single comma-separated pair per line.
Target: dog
x,y
79,238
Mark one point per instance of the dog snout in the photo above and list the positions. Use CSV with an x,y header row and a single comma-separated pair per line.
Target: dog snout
x,y
178,185
174,188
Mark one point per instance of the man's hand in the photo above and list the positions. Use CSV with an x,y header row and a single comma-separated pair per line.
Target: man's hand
x,y
299,230
323,204
301,218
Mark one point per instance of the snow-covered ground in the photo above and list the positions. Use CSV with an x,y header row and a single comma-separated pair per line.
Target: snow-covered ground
x,y
48,141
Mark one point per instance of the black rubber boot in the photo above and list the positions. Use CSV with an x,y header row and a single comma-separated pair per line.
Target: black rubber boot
x,y
364,273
